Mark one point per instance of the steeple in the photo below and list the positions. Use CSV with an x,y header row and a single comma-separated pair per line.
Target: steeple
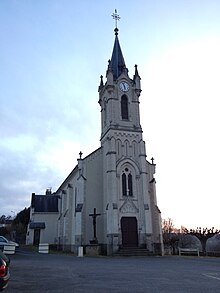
x,y
117,63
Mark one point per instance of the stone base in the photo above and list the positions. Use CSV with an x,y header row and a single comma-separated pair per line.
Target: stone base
x,y
112,243
93,249
158,249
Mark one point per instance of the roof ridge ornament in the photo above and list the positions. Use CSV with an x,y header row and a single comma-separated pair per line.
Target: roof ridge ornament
x,y
116,17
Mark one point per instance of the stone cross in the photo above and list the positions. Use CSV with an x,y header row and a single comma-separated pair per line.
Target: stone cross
x,y
94,216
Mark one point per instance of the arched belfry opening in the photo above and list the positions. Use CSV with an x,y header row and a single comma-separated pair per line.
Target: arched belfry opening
x,y
124,107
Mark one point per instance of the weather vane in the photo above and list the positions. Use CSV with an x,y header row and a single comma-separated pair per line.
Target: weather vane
x,y
116,17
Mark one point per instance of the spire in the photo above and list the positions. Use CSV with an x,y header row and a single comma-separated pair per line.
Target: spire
x,y
137,81
101,82
136,71
117,63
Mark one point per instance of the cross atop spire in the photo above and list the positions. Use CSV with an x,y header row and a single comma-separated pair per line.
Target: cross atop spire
x,y
116,17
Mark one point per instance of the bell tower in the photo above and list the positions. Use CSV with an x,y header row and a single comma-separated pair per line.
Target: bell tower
x,y
129,197
119,97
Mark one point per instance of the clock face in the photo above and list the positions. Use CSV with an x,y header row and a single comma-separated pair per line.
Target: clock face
x,y
124,86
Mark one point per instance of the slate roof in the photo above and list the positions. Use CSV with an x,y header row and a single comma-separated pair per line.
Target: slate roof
x,y
117,62
44,203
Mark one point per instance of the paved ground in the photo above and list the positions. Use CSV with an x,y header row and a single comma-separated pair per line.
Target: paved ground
x,y
33,272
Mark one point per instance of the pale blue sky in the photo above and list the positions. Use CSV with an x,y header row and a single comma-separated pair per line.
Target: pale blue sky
x,y
52,54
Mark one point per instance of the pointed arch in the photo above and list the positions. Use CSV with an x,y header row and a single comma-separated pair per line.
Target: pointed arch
x,y
128,172
127,145
124,107
134,148
130,185
124,184
118,148
105,112
128,162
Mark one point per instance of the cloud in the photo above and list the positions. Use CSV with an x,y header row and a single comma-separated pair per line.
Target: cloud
x,y
40,143
21,174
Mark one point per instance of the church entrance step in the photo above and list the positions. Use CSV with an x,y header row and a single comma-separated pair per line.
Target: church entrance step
x,y
133,251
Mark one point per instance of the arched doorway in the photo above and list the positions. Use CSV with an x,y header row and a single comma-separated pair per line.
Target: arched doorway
x,y
129,232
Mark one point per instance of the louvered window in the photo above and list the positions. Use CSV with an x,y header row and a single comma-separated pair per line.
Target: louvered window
x,y
124,107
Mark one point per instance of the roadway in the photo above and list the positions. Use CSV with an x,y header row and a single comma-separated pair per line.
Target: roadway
x,y
57,272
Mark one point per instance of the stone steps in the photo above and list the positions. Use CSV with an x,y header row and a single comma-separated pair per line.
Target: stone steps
x,y
133,251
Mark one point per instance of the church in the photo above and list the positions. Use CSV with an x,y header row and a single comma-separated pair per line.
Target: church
x,y
108,202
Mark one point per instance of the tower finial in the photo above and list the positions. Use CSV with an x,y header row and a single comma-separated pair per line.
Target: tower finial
x,y
116,17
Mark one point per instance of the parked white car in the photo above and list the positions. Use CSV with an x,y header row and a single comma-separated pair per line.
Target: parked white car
x,y
4,241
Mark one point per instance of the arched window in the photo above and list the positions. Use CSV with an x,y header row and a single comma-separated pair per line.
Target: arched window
x,y
127,186
124,185
124,107
130,189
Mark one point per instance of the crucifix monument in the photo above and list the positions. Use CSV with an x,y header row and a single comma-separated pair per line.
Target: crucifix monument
x,y
94,216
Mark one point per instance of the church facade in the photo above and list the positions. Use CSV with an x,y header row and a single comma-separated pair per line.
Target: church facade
x,y
109,198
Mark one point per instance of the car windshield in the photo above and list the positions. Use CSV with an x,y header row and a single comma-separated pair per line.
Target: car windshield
x,y
3,239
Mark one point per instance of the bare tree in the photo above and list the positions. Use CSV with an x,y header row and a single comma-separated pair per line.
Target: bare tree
x,y
167,225
170,238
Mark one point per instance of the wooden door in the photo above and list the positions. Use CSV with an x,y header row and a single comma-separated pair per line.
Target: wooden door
x,y
129,232
36,237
